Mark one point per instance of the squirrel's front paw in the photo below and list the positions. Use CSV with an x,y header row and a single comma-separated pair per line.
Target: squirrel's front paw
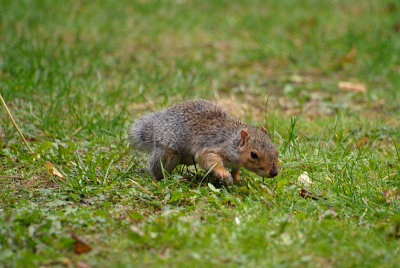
x,y
225,177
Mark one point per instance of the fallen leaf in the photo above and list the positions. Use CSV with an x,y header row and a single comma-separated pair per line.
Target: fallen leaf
x,y
391,195
297,79
391,7
136,230
307,22
330,212
350,56
53,170
347,58
353,87
396,27
237,220
306,194
362,142
81,264
304,179
65,262
80,246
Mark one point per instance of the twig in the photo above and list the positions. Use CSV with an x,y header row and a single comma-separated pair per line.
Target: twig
x,y
16,126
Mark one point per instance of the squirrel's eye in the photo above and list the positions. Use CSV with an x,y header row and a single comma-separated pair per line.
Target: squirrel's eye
x,y
254,155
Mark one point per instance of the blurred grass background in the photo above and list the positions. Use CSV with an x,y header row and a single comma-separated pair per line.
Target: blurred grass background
x,y
76,73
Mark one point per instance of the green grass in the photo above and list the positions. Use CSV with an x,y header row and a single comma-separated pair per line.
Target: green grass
x,y
76,73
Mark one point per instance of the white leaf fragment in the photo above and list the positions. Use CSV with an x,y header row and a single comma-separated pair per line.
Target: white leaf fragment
x,y
304,179
237,220
136,230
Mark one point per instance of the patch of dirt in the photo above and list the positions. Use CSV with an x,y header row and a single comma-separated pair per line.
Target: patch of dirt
x,y
242,109
38,181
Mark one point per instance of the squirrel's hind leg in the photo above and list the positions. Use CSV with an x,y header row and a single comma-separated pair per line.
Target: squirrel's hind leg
x,y
169,159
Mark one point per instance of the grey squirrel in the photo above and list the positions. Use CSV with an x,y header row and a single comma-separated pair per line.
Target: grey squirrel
x,y
201,131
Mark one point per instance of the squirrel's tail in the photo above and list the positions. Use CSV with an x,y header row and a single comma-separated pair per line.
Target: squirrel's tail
x,y
141,133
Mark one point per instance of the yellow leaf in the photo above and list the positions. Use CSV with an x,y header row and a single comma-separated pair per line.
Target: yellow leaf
x,y
53,170
354,87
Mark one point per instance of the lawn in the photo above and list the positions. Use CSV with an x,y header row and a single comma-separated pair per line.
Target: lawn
x,y
75,74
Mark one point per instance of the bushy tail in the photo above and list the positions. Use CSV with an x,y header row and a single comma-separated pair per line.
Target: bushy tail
x,y
141,133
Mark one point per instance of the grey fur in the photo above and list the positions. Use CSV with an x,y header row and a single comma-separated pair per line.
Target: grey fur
x,y
180,128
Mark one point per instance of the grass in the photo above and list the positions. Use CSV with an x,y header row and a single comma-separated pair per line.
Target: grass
x,y
76,74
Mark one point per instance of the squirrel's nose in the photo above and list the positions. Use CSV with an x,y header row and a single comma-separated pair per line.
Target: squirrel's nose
x,y
273,172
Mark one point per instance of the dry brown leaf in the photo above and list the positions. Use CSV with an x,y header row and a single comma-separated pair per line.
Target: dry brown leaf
x,y
350,56
353,87
391,195
80,246
362,142
307,194
53,170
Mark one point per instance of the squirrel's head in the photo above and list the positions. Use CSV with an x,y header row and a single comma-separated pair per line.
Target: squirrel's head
x,y
257,153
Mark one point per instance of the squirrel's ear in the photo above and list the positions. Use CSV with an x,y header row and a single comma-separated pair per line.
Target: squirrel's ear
x,y
244,136
263,129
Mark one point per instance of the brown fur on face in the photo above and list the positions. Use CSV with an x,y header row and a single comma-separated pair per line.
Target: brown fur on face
x,y
257,153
